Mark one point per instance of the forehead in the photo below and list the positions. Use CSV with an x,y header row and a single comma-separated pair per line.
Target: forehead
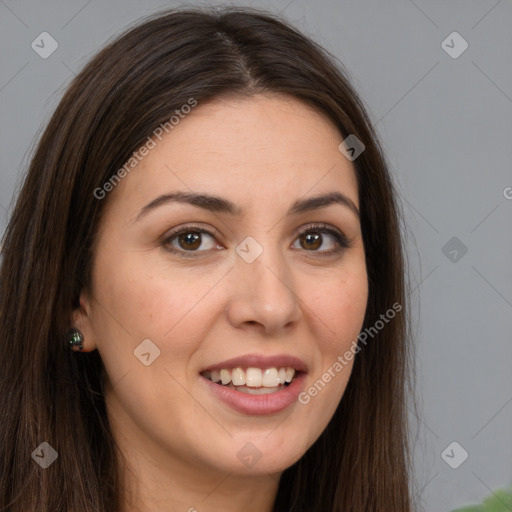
x,y
264,148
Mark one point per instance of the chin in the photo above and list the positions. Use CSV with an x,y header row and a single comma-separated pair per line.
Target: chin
x,y
261,454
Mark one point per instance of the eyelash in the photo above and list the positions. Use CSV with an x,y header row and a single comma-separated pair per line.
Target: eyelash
x,y
342,240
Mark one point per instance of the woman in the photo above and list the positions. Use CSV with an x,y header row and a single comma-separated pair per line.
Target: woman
x,y
202,285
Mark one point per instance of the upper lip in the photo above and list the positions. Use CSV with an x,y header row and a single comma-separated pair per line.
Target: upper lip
x,y
260,361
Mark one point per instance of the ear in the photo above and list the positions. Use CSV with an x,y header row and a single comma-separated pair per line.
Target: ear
x,y
83,322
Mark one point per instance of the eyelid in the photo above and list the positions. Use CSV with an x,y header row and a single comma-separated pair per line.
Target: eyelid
x,y
190,227
344,242
167,238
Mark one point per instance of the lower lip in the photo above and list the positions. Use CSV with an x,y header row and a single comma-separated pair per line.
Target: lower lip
x,y
270,403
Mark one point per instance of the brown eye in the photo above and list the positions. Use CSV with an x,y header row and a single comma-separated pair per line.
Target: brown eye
x,y
322,240
190,241
311,240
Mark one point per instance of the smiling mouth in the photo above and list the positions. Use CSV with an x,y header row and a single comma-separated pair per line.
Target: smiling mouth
x,y
253,381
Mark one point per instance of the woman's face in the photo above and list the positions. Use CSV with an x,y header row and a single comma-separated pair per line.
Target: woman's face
x,y
217,253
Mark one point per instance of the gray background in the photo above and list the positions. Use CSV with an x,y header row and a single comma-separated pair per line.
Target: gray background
x,y
446,126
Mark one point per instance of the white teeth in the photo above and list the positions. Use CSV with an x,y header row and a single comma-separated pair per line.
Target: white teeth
x,y
251,378
258,391
225,377
271,378
238,377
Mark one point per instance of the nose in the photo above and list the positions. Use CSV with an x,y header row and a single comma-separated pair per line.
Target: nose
x,y
264,294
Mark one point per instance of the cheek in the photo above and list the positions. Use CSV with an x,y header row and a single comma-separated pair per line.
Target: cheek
x,y
169,307
144,298
149,298
338,305
335,314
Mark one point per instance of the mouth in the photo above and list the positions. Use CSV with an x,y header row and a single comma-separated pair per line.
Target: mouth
x,y
256,384
253,380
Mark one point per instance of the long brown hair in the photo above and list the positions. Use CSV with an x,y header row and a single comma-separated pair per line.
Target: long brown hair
x,y
48,393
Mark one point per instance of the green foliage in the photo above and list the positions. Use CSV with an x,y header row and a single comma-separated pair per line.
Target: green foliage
x,y
499,501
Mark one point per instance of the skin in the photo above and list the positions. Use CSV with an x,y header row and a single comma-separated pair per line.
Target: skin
x,y
178,441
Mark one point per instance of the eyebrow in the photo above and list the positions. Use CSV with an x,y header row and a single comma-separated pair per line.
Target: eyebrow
x,y
220,205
